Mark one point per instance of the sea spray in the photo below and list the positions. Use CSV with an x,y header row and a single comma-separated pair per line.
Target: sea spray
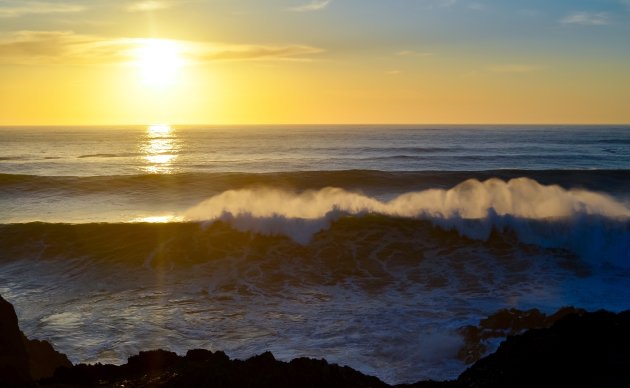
x,y
592,225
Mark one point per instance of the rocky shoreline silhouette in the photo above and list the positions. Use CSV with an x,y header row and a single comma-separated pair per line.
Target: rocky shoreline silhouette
x,y
569,348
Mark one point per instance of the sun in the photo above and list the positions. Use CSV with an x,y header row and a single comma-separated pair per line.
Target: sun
x,y
159,61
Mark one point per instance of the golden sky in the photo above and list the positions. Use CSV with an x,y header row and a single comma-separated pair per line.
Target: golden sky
x,y
96,62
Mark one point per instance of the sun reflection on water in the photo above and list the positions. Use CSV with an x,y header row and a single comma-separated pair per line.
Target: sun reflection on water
x,y
157,219
159,129
160,149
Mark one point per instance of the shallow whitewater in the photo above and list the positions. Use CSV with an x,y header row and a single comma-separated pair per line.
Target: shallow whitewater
x,y
382,294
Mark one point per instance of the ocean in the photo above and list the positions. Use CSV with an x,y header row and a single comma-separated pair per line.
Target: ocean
x,y
369,246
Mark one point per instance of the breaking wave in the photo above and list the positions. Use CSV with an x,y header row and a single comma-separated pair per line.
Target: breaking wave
x,y
592,225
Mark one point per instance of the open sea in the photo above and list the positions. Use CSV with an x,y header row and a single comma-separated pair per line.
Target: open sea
x,y
365,245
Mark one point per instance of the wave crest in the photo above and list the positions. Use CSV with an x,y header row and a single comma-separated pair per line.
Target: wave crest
x,y
590,224
472,199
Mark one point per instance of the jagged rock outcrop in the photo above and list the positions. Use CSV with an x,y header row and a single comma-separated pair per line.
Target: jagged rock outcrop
x,y
504,323
43,358
587,350
580,349
23,361
203,368
14,369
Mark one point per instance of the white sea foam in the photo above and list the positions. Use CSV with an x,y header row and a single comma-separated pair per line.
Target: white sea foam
x,y
593,225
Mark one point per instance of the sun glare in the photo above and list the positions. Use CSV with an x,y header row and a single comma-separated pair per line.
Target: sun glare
x,y
159,129
158,61
155,219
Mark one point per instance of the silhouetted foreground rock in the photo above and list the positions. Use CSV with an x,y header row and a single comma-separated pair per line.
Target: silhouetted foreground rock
x,y
22,360
588,350
585,350
504,323
202,368
580,349
13,357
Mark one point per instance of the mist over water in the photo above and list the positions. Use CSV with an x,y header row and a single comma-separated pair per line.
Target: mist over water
x,y
367,246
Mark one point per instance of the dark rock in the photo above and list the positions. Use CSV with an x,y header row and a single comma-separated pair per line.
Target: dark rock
x,y
588,350
22,360
432,384
43,358
580,349
502,324
14,362
84,375
215,369
155,360
201,355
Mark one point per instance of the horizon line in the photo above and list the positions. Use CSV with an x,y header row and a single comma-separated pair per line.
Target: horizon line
x,y
318,124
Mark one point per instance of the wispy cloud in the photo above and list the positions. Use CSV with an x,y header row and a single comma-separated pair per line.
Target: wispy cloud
x,y
67,47
587,18
147,6
315,5
514,68
31,47
229,52
17,8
